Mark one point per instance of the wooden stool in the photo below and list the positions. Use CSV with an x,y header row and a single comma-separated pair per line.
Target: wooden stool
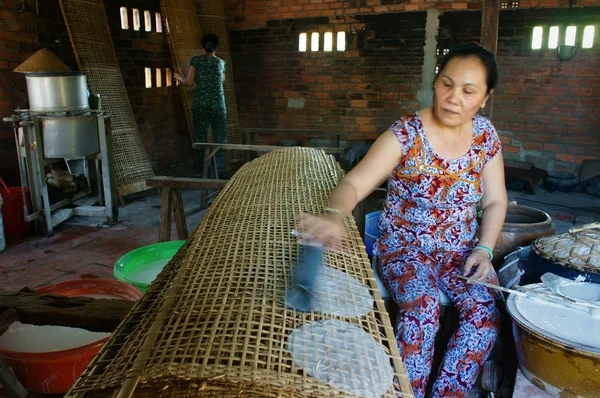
x,y
172,201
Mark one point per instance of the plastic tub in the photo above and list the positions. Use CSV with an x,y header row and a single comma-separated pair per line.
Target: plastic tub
x,y
12,210
371,231
141,266
55,372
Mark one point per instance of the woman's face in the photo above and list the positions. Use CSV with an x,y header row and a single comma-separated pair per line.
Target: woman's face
x,y
460,90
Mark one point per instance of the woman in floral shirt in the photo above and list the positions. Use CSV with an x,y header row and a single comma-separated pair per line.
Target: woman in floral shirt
x,y
207,76
439,163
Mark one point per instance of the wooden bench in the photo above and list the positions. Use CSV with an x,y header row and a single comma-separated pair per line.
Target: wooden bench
x,y
172,201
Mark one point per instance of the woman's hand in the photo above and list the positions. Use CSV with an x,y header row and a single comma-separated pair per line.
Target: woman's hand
x,y
178,77
479,259
328,229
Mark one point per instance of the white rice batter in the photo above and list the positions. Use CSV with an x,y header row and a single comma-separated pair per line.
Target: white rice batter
x,y
569,324
337,293
31,338
342,356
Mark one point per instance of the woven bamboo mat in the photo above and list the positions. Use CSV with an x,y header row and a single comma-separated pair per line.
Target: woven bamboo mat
x,y
213,323
185,39
92,44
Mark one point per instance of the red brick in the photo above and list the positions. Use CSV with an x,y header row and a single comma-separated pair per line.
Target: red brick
x,y
565,157
581,158
515,90
9,35
309,79
546,100
553,148
591,72
589,102
576,130
540,72
534,128
587,140
569,120
582,92
324,79
511,148
515,127
535,146
544,138
504,117
558,110
7,15
536,109
358,103
505,139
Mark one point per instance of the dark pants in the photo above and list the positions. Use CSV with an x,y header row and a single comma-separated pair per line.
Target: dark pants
x,y
216,119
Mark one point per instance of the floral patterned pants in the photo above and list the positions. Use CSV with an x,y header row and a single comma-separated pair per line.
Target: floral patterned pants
x,y
413,277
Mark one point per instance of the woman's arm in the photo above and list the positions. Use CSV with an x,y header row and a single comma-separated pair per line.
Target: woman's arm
x,y
370,173
494,203
190,80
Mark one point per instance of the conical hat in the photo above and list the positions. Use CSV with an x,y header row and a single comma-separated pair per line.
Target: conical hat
x,y
43,61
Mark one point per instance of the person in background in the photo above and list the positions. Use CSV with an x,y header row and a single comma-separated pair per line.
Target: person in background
x,y
440,163
207,76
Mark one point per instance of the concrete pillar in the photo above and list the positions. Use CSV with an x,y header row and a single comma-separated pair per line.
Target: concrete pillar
x,y
425,94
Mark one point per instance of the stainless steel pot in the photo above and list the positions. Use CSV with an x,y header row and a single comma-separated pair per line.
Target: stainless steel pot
x,y
57,92
70,137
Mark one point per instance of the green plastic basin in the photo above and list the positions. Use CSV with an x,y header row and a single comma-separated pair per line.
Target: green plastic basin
x,y
141,266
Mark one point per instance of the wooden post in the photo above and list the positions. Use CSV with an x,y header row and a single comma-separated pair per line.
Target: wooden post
x,y
490,15
164,229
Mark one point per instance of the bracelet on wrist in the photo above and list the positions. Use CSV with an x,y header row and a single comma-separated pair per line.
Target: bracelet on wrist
x,y
334,212
487,249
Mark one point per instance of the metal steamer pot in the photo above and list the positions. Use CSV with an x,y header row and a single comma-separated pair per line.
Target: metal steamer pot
x,y
560,367
70,137
57,92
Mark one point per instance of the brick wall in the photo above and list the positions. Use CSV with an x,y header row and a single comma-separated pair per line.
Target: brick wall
x,y
17,42
246,14
158,111
543,108
547,108
360,91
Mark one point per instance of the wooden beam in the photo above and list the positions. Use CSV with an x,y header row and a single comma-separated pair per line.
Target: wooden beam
x,y
185,183
490,16
97,315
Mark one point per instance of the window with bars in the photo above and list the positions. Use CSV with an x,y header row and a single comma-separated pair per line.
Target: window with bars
x,y
551,37
315,41
124,18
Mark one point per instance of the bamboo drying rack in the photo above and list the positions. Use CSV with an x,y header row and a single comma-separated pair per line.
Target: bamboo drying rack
x,y
213,323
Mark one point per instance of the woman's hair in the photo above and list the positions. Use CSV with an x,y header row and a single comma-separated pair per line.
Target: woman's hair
x,y
474,50
210,42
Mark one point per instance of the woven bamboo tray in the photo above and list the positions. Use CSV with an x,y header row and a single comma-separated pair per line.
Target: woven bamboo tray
x,y
92,44
212,323
578,249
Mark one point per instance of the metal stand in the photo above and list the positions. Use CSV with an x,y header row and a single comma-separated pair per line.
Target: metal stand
x,y
32,172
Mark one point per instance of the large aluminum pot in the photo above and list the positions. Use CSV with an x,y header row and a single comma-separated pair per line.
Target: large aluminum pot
x,y
57,92
561,367
70,137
